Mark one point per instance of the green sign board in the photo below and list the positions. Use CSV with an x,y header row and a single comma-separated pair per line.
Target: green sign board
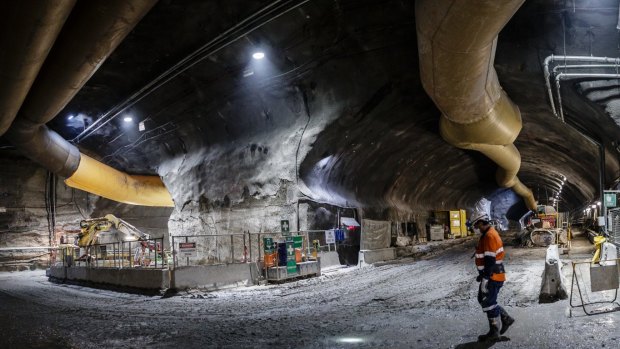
x,y
291,266
284,226
610,200
268,245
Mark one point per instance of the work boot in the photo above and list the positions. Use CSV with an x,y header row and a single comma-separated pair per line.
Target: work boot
x,y
493,334
507,320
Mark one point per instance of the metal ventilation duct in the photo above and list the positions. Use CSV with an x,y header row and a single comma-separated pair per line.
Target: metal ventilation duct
x,y
92,32
456,43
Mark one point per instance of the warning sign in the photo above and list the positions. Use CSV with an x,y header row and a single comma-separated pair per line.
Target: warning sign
x,y
330,236
187,249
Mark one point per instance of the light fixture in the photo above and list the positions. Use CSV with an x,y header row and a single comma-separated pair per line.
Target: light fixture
x,y
598,203
258,55
593,206
70,117
128,119
350,340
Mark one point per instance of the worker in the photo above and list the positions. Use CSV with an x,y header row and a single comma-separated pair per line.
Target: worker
x,y
489,261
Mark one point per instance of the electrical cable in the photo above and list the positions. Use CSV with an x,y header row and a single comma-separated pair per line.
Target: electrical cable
x,y
243,28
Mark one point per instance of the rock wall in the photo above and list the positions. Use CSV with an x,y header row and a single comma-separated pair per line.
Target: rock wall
x,y
26,213
25,218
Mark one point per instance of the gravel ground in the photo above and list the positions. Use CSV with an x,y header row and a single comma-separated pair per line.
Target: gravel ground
x,y
424,303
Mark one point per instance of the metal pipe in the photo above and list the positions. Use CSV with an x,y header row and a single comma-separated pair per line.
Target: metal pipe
x,y
585,66
456,44
93,32
30,28
561,76
552,58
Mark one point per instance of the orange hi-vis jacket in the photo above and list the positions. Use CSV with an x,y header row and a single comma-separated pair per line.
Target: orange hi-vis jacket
x,y
490,256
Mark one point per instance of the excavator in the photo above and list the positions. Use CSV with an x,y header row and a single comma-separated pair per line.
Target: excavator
x,y
111,229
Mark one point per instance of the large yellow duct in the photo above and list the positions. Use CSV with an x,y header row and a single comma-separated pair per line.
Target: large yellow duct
x,y
456,43
97,178
92,32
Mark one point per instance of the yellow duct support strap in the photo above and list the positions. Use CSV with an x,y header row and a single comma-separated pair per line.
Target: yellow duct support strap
x,y
100,179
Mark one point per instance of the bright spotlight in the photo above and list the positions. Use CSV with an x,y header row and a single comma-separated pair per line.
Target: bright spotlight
x,y
258,55
598,203
350,340
128,119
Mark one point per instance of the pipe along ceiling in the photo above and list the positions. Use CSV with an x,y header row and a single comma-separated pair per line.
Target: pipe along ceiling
x,y
338,101
57,47
456,42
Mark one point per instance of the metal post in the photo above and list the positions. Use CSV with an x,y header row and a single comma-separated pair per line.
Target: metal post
x,y
232,249
174,254
187,256
259,249
307,245
250,243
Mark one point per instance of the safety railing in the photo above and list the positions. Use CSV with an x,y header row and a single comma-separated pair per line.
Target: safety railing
x,y
246,247
601,278
148,253
202,249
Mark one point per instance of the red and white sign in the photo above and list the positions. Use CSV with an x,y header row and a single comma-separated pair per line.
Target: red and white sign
x,y
187,249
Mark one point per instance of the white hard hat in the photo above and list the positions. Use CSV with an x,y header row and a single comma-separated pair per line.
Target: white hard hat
x,y
478,216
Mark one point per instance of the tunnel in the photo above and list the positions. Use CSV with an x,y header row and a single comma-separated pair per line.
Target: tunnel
x,y
308,173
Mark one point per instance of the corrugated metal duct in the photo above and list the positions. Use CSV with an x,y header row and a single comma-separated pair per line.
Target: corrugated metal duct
x,y
456,42
94,29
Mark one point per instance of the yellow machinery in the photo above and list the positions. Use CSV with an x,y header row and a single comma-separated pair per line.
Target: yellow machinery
x,y
108,229
548,217
113,230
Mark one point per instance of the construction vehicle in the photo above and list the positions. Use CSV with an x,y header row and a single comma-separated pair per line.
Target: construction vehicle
x,y
542,229
117,232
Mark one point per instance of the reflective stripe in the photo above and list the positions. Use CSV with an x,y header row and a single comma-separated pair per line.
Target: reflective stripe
x,y
491,254
481,267
501,249
479,255
489,308
499,262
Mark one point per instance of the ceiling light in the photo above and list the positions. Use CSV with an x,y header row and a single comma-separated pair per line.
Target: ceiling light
x,y
128,119
258,55
598,203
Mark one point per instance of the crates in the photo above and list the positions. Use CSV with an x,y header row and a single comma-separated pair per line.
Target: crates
x,y
436,233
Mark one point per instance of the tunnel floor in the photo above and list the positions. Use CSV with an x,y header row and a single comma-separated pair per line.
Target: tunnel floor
x,y
428,303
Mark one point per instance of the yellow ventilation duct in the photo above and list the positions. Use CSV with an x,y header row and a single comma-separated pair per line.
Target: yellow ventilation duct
x,y
92,32
456,43
97,178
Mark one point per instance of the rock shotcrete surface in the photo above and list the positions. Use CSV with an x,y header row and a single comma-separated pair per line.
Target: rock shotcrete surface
x,y
424,303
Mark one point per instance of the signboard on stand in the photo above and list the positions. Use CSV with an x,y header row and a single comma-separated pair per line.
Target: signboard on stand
x,y
330,236
187,249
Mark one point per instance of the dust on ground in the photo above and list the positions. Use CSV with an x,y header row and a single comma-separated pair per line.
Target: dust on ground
x,y
428,302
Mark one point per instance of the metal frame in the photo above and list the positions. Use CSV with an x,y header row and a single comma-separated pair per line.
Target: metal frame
x,y
583,304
